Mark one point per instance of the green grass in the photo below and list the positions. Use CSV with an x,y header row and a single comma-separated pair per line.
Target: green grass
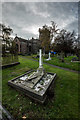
x,y
9,59
66,64
64,104
55,61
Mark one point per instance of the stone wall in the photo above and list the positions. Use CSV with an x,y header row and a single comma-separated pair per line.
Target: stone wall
x,y
27,46
23,48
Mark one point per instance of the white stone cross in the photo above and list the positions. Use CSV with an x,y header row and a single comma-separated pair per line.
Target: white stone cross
x,y
49,56
40,59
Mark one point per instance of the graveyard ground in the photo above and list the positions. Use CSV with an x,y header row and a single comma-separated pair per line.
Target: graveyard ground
x,y
64,104
55,61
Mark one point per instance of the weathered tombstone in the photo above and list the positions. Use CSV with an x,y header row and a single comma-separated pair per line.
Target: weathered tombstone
x,y
35,84
61,57
49,57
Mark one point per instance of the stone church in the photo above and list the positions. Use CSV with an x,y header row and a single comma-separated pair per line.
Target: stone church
x,y
28,47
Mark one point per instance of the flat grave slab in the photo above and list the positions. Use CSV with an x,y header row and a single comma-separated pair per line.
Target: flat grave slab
x,y
37,91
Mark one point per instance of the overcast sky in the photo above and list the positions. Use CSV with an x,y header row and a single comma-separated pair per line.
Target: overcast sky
x,y
26,18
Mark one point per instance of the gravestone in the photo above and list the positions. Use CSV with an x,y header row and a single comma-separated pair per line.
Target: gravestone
x,y
49,57
35,84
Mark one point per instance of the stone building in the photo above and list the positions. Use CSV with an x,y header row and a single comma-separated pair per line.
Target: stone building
x,y
27,46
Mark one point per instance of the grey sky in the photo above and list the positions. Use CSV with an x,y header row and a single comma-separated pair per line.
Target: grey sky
x,y
26,17
40,0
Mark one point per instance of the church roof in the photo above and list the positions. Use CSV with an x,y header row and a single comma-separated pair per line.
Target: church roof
x,y
21,39
24,40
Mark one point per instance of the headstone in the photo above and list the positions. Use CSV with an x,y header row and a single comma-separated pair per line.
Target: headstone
x,y
49,57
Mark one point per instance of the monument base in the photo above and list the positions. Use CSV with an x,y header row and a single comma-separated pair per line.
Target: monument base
x,y
37,91
35,84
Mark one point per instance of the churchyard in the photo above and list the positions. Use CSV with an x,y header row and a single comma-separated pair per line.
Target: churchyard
x,y
63,104
50,51
53,84
55,60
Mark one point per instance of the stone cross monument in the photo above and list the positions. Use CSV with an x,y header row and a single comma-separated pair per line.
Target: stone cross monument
x,y
40,59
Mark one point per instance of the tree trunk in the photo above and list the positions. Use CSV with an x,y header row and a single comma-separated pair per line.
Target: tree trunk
x,y
65,54
62,57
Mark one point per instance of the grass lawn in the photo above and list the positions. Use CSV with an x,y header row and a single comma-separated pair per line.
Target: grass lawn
x,y
9,59
64,104
55,61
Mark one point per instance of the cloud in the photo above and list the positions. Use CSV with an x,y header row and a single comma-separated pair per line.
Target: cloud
x,y
27,17
72,26
35,8
31,29
40,0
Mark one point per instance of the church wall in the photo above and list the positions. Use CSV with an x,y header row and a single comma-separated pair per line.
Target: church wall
x,y
27,46
23,48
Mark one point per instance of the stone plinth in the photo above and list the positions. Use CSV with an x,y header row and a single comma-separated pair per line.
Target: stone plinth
x,y
37,91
